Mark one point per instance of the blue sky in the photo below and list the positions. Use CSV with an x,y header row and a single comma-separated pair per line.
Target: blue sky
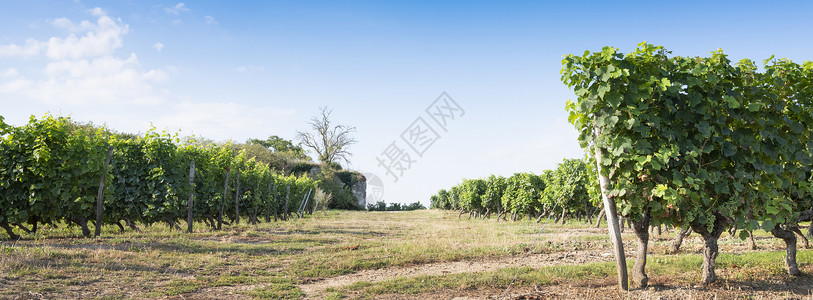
x,y
250,69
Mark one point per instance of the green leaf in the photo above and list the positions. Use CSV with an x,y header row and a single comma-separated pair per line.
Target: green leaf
x,y
665,83
656,164
754,224
571,118
703,127
612,121
626,210
768,225
614,98
744,234
732,102
644,147
729,149
603,89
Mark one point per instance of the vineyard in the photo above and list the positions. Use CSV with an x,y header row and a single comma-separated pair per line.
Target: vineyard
x,y
54,171
702,165
569,190
696,143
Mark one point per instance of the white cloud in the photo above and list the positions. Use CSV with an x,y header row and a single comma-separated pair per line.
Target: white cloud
x,y
10,72
177,9
31,48
211,20
158,46
97,11
14,83
15,86
83,69
177,21
102,38
66,24
105,79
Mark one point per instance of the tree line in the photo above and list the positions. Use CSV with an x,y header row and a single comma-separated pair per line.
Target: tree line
x,y
382,206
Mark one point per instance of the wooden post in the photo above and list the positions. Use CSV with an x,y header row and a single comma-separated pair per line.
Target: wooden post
x,y
301,211
311,195
305,203
191,196
287,195
612,220
223,201
276,205
100,196
315,204
268,205
237,200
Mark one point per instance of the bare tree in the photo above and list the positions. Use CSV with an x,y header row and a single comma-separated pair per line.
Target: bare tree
x,y
330,141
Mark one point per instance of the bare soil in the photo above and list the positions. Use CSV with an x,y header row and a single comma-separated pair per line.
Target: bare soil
x,y
316,289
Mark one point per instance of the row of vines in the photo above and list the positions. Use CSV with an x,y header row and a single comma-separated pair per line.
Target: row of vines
x,y
696,142
569,190
51,170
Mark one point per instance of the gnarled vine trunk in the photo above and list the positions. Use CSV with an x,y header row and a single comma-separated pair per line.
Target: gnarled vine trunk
x,y
132,225
641,227
710,249
23,228
794,229
787,235
810,231
84,224
598,220
10,231
751,238
674,248
807,216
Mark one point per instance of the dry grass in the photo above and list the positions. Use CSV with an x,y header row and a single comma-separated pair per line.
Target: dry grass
x,y
271,260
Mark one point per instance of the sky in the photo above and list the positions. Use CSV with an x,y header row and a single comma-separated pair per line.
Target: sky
x,y
235,70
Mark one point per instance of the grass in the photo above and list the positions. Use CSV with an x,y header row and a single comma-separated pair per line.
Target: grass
x,y
271,260
754,268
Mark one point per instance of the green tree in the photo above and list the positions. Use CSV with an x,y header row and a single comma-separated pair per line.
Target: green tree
x,y
282,146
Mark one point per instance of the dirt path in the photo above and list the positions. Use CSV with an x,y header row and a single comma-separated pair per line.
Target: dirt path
x,y
316,289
